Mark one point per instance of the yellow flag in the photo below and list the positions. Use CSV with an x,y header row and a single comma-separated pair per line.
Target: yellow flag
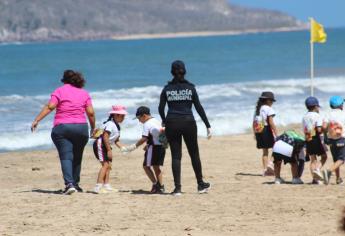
x,y
317,33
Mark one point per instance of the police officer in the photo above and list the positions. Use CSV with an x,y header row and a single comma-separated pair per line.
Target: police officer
x,y
180,95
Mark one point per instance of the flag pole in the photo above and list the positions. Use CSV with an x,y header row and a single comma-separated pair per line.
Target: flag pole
x,y
311,60
312,68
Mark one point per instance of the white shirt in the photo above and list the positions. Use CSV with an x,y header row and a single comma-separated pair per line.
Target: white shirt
x,y
265,112
311,121
111,128
151,130
336,123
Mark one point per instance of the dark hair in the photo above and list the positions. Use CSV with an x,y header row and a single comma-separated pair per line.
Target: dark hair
x,y
111,118
73,78
310,108
178,70
335,107
259,104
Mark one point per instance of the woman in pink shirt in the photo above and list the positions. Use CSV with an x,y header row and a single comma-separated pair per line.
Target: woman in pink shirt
x,y
70,133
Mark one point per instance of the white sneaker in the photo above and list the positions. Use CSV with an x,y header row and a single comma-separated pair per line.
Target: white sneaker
x,y
108,188
317,174
297,181
279,181
98,188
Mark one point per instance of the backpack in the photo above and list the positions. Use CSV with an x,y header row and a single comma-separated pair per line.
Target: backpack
x,y
335,130
309,129
258,124
98,133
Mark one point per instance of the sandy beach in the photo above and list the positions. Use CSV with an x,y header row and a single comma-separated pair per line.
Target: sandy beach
x,y
241,202
204,33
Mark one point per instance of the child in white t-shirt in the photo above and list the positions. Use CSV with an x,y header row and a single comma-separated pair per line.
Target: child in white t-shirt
x,y
265,129
312,127
335,126
154,150
102,146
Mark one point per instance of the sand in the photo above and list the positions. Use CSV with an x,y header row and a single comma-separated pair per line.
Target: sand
x,y
241,202
205,33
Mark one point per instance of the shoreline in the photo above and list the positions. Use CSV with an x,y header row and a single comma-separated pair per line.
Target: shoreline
x,y
192,34
123,37
294,126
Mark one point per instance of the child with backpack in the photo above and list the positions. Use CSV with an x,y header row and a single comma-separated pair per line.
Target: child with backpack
x,y
109,134
335,138
289,147
312,128
265,129
154,149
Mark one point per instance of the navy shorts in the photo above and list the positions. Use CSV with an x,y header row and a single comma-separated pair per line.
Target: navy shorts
x,y
265,139
315,146
337,149
99,150
154,155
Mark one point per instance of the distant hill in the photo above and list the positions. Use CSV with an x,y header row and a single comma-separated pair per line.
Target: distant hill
x,y
32,20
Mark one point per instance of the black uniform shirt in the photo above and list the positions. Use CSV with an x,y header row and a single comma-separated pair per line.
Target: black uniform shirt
x,y
180,97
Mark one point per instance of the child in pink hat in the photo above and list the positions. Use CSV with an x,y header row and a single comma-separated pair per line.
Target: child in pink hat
x,y
102,146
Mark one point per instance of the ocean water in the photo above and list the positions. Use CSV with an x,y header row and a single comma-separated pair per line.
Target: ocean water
x,y
230,72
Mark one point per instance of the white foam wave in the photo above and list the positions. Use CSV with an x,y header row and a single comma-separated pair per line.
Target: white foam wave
x,y
230,108
131,97
17,141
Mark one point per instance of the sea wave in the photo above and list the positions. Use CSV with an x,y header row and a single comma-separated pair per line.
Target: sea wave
x,y
230,108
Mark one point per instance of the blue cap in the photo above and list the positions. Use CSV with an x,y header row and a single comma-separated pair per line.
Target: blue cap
x,y
312,102
336,101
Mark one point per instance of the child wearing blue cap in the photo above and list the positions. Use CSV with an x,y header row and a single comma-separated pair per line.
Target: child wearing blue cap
x,y
312,127
335,126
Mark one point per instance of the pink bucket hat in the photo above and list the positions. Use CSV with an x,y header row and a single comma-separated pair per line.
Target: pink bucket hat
x,y
118,109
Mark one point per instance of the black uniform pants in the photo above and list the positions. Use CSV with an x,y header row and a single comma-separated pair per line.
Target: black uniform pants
x,y
175,129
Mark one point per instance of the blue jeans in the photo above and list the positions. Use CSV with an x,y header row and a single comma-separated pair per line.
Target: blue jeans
x,y
70,140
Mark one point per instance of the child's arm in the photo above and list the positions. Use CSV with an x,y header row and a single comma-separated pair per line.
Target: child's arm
x,y
141,141
119,144
106,142
132,147
273,126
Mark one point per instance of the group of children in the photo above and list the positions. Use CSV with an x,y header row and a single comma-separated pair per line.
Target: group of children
x,y
153,136
296,149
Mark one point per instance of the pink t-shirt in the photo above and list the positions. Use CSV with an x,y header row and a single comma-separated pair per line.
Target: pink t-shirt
x,y
71,104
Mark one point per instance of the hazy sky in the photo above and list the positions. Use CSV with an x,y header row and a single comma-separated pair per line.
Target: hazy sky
x,y
328,12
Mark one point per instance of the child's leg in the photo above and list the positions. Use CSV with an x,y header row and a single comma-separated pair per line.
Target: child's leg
x,y
150,174
300,168
277,167
107,174
265,158
323,160
313,164
337,172
336,168
159,174
102,172
336,165
294,170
